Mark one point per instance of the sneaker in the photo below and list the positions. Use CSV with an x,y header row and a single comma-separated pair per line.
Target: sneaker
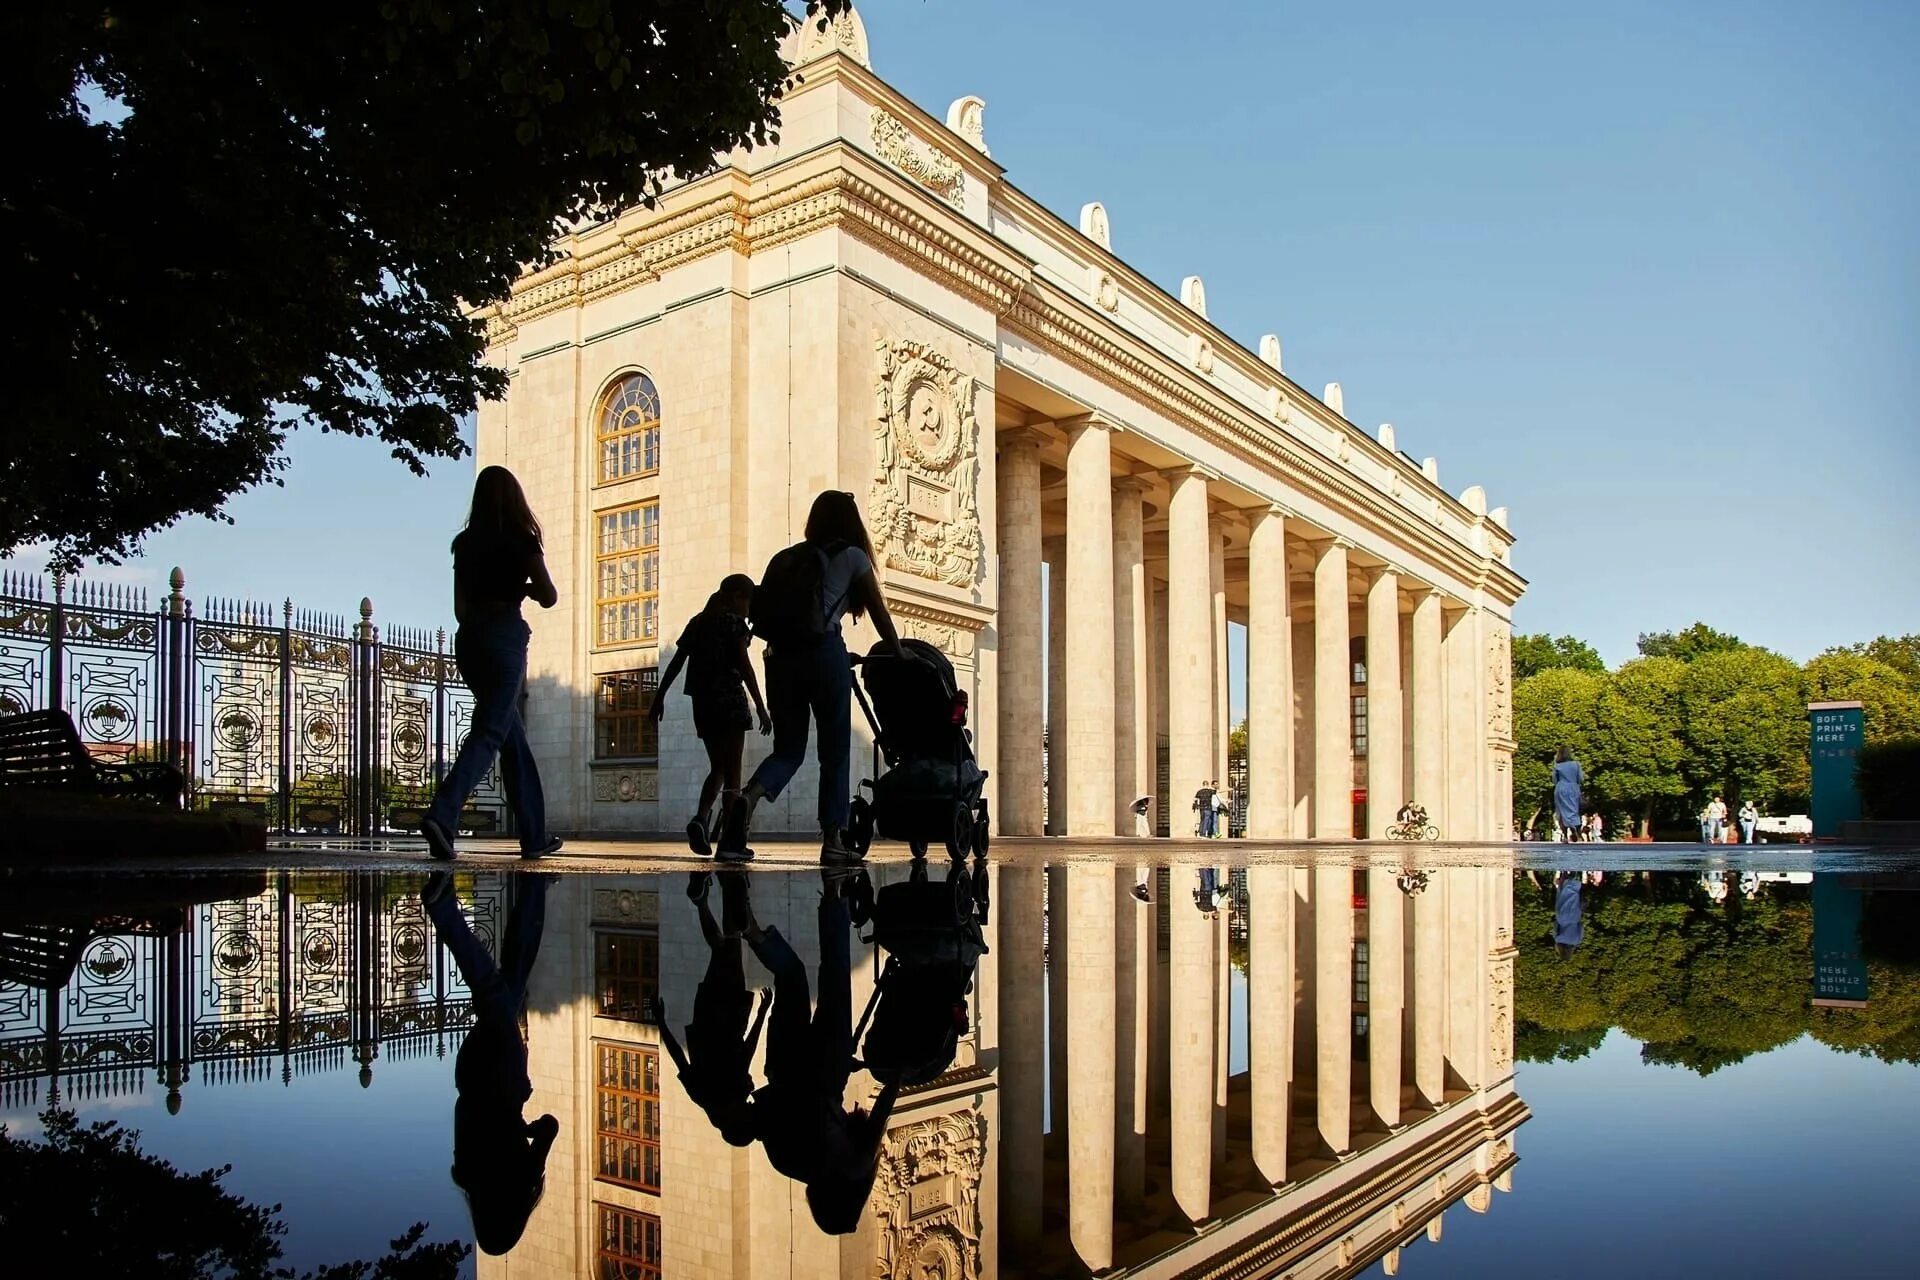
x,y
697,838
439,843
736,913
733,831
835,851
697,885
1140,892
553,845
437,886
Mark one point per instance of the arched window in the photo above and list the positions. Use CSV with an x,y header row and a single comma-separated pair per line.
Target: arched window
x,y
628,428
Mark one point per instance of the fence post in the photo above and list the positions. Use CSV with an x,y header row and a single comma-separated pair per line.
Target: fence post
x,y
57,644
367,719
439,710
176,695
286,715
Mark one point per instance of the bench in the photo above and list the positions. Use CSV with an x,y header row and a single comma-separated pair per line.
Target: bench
x,y
42,749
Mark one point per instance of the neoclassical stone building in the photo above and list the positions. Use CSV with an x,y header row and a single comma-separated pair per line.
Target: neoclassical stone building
x,y
871,305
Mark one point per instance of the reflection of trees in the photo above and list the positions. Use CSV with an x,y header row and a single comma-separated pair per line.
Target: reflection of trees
x,y
1701,987
91,1198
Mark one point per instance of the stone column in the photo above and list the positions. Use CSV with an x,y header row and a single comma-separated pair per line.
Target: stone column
x,y
1189,648
1332,699
1222,702
1386,988
1333,1005
1022,1075
1269,681
1056,738
1191,1032
1429,992
1090,1035
1466,726
1270,1012
1429,731
1090,634
1385,745
1132,657
1222,1025
1133,962
1022,658
1059,1045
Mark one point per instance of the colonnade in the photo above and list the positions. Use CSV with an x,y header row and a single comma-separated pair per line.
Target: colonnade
x,y
1148,1125
1147,561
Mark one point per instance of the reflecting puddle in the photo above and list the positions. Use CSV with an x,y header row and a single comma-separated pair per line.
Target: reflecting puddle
x,y
1313,1070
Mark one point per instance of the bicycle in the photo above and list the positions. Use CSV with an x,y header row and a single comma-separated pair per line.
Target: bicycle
x,y
1413,825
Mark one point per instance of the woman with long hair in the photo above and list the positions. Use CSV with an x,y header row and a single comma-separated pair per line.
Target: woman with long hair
x,y
1566,795
806,591
497,563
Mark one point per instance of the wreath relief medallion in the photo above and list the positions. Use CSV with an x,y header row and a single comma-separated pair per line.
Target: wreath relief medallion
x,y
924,502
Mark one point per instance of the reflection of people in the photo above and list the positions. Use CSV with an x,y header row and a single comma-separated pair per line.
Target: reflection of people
x,y
932,934
808,676
1142,826
713,647
1566,794
715,1064
1569,931
499,1159
1210,892
497,562
799,1114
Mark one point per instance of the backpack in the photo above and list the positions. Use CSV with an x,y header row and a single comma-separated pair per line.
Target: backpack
x,y
788,607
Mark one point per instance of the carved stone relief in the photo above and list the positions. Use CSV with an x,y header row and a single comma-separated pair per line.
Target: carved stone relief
x,y
626,785
924,507
927,1197
1106,290
1499,678
844,34
1093,224
1500,1020
955,642
932,168
968,118
1203,355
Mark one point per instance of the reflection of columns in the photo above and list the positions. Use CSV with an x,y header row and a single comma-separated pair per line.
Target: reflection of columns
x,y
1021,656
1270,1015
1466,728
1190,1069
1222,1024
1222,706
1090,1099
1133,953
1467,939
1333,1004
1059,1048
1090,635
1429,991
1022,1074
1332,709
1269,681
1429,733
1386,988
1385,748
1132,675
1056,686
1189,648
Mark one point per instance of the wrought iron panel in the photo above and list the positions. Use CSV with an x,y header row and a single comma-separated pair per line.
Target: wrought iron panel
x,y
235,959
236,722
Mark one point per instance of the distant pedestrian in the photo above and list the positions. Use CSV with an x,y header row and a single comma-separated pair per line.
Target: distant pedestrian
x,y
1596,828
1569,930
1203,805
1222,814
720,677
1749,819
1566,794
1716,821
497,563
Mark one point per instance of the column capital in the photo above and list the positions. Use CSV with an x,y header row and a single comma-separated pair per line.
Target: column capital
x,y
1086,421
1186,470
1021,438
1133,483
1331,542
1274,510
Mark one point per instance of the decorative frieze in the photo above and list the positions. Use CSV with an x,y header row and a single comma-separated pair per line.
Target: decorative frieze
x,y
926,164
924,505
927,1198
625,784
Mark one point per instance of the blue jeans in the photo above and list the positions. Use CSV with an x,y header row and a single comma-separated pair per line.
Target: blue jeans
x,y
492,656
810,681
492,1059
1206,822
1746,832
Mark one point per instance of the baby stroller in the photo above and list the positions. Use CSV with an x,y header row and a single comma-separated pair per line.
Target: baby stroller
x,y
930,792
933,937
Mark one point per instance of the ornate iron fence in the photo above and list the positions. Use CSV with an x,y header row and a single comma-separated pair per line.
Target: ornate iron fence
x,y
305,721
313,973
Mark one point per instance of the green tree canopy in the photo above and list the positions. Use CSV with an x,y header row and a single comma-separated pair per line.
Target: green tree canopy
x,y
1902,653
1744,713
1539,652
1557,708
228,223
1891,701
1637,742
1696,641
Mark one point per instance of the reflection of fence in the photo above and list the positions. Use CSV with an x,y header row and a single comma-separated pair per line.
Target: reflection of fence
x,y
316,972
304,721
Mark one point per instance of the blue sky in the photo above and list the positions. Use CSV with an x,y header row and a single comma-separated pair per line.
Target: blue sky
x,y
1646,272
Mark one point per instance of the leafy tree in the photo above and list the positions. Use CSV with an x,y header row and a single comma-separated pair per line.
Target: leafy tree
x,y
1744,717
1539,652
229,223
1637,738
1697,641
1891,701
1902,653
88,1196
1558,707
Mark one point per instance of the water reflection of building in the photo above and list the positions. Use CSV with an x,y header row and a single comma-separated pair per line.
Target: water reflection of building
x,y
105,986
1377,1091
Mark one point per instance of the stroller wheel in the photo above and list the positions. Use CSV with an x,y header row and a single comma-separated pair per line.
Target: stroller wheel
x,y
918,848
860,825
960,839
980,837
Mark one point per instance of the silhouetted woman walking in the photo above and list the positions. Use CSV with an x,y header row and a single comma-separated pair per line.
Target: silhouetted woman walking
x,y
497,563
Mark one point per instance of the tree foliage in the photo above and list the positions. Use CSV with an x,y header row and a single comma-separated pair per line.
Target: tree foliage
x,y
1696,641
1744,717
91,1198
226,223
1539,652
1891,700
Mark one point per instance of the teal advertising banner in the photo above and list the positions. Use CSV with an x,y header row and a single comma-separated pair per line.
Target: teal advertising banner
x,y
1838,729
1839,969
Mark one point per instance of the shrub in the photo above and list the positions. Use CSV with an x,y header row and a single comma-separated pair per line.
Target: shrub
x,y
1888,775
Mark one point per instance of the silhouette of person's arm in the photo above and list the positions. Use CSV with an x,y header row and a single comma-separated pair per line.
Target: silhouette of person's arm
x,y
759,1018
674,1050
743,663
542,591
658,707
868,587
